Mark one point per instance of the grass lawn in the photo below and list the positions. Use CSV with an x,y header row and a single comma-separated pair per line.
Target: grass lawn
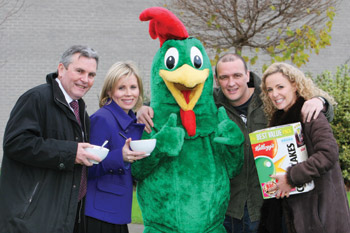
x,y
136,216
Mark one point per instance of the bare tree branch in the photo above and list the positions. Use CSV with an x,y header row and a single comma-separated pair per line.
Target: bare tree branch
x,y
259,24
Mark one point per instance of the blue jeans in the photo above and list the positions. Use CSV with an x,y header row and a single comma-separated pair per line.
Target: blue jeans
x,y
244,225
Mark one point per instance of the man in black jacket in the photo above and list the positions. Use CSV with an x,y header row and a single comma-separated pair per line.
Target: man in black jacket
x,y
44,163
239,93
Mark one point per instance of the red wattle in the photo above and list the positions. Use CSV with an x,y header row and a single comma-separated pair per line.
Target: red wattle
x,y
188,119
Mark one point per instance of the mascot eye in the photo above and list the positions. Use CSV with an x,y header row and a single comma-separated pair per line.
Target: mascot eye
x,y
196,57
171,58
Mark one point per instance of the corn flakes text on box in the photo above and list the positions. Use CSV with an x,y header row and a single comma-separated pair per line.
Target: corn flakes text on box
x,y
275,149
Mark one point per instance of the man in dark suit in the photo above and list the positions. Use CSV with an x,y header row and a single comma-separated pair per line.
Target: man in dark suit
x,y
43,172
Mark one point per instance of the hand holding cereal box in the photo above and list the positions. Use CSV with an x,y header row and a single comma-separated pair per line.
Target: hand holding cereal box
x,y
275,149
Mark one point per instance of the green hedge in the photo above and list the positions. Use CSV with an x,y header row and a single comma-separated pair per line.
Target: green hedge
x,y
338,85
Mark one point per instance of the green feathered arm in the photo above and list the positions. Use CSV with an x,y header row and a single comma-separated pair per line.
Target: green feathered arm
x,y
230,141
169,144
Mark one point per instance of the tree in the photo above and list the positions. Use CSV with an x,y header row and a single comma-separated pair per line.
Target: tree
x,y
8,8
284,29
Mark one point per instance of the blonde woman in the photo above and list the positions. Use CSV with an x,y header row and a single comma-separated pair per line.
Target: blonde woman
x,y
325,208
109,193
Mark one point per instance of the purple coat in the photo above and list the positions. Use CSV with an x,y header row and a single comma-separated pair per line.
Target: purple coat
x,y
109,191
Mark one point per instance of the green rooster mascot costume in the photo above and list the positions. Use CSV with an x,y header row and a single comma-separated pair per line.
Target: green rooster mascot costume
x,y
183,186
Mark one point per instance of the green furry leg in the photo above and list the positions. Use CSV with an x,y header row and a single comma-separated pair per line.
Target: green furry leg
x,y
162,229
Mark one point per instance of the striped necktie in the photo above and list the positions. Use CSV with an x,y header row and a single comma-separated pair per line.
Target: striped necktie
x,y
83,182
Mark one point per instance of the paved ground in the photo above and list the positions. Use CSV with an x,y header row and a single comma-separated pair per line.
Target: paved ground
x,y
135,228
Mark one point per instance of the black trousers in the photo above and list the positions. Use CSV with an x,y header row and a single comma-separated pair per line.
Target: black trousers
x,y
94,225
80,225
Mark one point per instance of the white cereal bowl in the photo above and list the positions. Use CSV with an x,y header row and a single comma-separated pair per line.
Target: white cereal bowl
x,y
146,145
101,152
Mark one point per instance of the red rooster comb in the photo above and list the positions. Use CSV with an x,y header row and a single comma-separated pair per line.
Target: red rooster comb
x,y
163,24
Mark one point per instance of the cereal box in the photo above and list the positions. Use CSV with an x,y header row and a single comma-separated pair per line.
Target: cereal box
x,y
275,149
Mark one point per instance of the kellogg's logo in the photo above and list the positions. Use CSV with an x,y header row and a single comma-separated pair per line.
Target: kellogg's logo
x,y
268,148
264,147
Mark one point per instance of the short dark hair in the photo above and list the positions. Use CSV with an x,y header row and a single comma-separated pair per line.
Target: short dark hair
x,y
230,57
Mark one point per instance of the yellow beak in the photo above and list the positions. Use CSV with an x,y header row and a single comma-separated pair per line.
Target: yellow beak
x,y
185,78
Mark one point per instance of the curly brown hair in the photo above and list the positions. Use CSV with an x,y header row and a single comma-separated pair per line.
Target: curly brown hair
x,y
305,86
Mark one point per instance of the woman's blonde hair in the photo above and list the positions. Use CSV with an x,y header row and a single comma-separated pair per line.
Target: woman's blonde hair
x,y
304,85
114,74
